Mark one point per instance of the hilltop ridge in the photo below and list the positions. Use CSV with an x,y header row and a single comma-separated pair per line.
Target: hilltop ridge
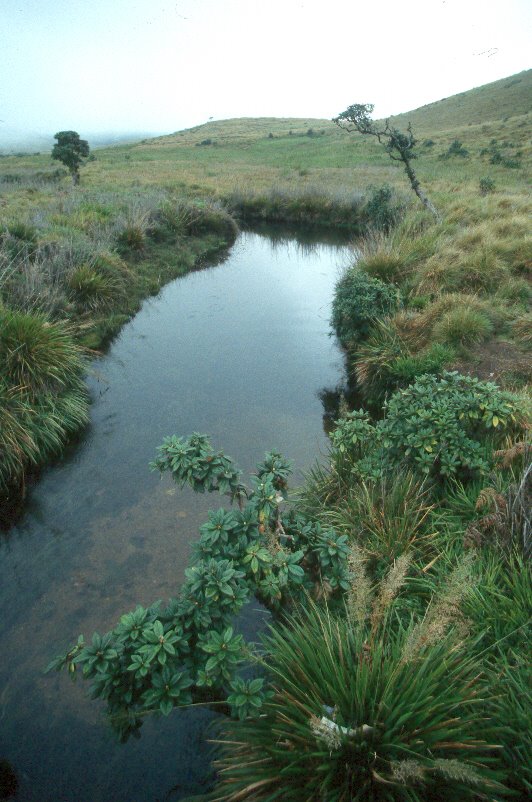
x,y
505,98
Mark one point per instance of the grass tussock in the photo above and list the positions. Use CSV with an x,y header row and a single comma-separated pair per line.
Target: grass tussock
x,y
403,725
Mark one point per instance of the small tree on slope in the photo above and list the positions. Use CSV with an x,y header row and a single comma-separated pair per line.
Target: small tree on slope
x,y
70,150
398,145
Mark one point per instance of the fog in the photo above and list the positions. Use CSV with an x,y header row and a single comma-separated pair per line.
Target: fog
x,y
157,66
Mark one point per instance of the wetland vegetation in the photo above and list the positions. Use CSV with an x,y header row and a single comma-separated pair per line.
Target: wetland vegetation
x,y
398,576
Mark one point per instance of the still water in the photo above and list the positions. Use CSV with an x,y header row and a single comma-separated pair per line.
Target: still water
x,y
240,351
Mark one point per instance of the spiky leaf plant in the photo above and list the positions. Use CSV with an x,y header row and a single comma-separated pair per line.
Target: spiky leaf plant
x,y
38,355
364,709
93,287
386,518
16,442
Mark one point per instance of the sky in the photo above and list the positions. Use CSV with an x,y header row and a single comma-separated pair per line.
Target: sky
x,y
163,65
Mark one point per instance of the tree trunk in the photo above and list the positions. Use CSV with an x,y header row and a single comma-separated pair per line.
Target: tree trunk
x,y
414,183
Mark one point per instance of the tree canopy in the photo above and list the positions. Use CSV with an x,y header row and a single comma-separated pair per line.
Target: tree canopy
x,y
71,151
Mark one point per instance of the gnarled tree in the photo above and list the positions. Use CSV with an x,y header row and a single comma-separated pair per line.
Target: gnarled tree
x,y
398,145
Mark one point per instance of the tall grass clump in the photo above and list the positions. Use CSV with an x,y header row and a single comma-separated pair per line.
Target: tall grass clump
x,y
365,710
95,285
462,326
387,517
42,394
37,355
387,361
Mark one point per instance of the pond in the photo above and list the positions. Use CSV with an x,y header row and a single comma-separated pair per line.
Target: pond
x,y
239,351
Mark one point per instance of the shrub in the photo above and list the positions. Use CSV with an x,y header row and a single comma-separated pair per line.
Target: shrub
x,y
360,299
455,149
362,712
462,326
486,185
382,210
446,426
442,427
158,658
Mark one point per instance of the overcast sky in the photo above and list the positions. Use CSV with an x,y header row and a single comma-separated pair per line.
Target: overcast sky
x,y
164,65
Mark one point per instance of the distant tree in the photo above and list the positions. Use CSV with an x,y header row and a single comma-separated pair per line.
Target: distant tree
x,y
398,145
70,150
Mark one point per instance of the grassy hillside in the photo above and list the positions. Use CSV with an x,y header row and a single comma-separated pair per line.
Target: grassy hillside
x,y
317,157
498,101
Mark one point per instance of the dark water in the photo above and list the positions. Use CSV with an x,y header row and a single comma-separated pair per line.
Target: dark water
x,y
239,351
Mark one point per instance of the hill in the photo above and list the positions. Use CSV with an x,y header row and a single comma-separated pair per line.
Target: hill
x,y
509,97
500,100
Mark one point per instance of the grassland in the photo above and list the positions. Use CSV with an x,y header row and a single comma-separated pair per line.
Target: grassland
x,y
429,499
87,255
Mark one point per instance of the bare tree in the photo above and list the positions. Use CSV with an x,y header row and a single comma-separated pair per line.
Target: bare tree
x,y
398,145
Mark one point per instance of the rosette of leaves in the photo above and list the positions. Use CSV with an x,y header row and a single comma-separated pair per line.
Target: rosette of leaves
x,y
193,461
247,697
156,658
447,426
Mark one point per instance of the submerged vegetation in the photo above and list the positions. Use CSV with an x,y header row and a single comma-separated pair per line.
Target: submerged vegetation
x,y
398,577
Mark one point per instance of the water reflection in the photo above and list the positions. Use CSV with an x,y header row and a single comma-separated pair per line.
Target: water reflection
x,y
240,352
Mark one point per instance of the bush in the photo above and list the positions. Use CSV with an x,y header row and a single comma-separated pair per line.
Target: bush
x,y
486,186
455,149
158,658
446,426
462,326
360,299
381,209
442,427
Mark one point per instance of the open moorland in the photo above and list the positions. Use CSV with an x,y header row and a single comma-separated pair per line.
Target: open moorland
x,y
399,576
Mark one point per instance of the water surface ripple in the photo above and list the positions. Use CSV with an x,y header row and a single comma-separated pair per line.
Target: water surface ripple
x,y
239,351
